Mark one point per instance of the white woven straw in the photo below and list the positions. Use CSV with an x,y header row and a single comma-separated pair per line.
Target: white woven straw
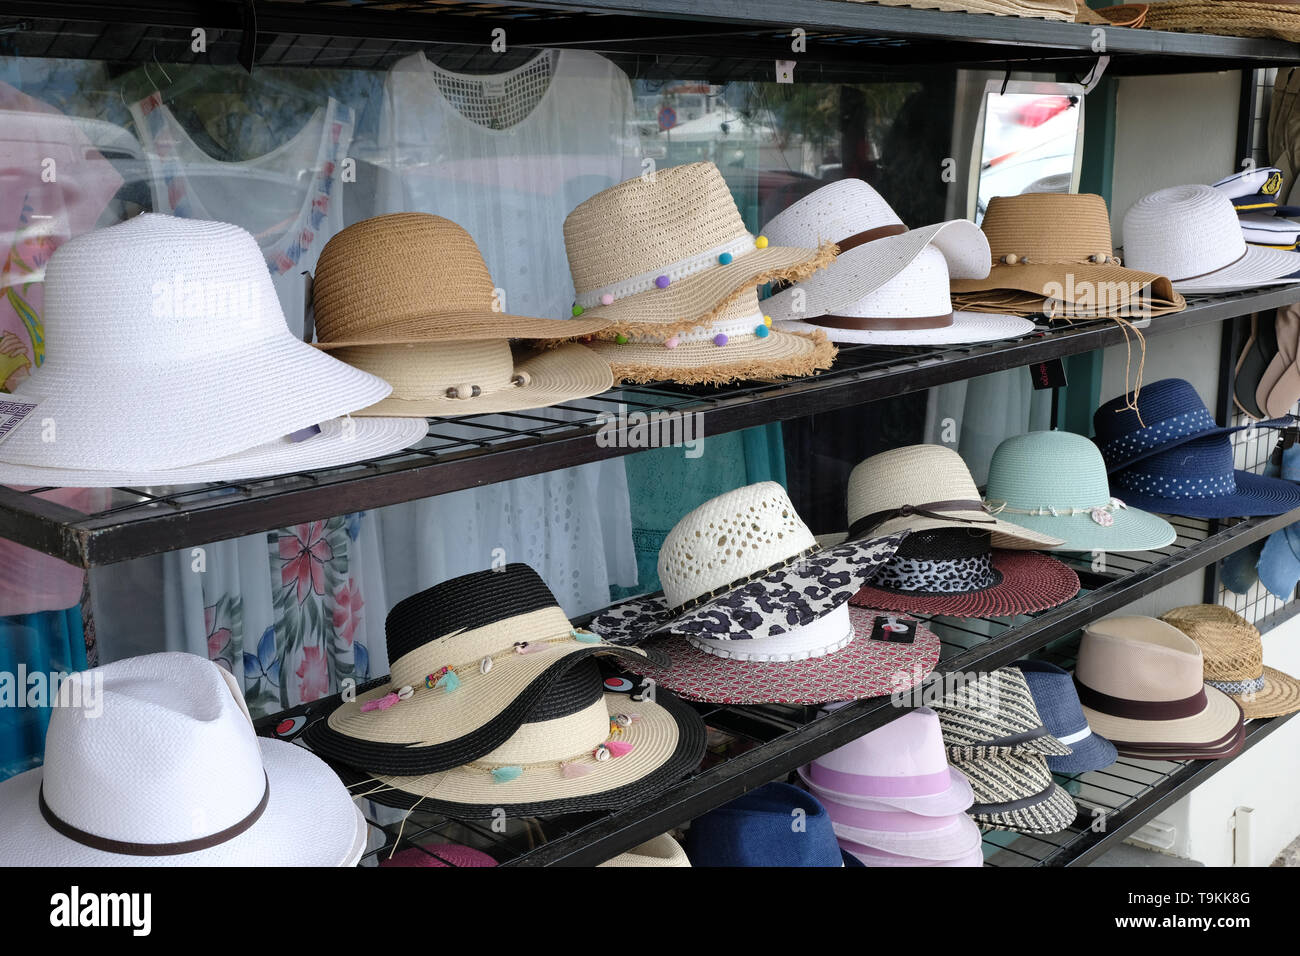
x,y
730,537
1191,234
341,441
920,289
833,212
169,755
918,474
663,850
167,348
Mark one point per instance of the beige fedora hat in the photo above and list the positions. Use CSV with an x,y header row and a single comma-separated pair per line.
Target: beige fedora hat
x,y
663,850
1234,659
1141,683
414,277
924,487
668,251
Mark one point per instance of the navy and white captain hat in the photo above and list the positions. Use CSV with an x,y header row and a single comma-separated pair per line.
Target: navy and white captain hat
x,y
1062,714
1257,188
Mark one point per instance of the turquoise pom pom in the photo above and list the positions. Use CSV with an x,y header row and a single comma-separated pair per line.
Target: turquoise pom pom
x,y
585,637
449,681
506,774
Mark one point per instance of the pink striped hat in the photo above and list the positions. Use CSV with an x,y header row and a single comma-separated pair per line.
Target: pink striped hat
x,y
900,766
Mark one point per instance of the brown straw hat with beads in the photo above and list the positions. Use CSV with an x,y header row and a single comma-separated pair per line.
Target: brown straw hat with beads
x,y
667,252
1052,254
414,277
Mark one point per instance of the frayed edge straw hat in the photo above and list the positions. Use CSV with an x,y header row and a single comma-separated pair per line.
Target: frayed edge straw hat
x,y
578,750
1233,656
663,850
667,252
470,658
153,761
743,567
414,277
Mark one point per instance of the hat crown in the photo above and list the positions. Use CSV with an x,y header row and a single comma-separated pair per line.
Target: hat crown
x,y
909,746
1054,697
1182,232
1047,469
832,213
757,830
1167,409
920,289
397,268
728,538
161,750
649,223
912,475
1231,647
1139,658
570,719
995,706
1067,227
1199,468
132,298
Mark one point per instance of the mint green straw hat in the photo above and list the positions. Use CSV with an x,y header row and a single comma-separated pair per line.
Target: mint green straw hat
x,y
1055,483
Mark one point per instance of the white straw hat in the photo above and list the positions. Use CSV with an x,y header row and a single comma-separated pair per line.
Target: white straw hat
x,y
1191,234
152,761
167,348
912,308
874,246
663,850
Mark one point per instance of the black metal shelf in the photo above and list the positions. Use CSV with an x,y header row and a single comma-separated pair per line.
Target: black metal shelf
x,y
769,742
475,450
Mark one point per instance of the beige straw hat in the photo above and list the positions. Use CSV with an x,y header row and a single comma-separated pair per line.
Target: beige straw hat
x,y
668,251
1234,659
414,277
1240,19
737,346
1052,254
663,850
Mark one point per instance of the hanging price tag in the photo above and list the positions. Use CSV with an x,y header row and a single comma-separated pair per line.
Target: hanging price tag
x,y
1050,374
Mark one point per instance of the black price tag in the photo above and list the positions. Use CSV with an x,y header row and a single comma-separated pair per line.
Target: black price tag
x,y
893,630
1050,374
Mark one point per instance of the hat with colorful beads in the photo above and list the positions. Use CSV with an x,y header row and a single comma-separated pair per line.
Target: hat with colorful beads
x,y
471,658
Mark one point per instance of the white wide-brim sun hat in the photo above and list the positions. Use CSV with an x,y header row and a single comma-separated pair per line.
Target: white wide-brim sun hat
x,y
341,441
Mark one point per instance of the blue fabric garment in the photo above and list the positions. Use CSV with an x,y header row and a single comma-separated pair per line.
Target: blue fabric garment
x,y
46,642
1279,562
774,825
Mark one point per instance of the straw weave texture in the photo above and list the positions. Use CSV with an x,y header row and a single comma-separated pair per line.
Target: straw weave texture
x,y
1241,19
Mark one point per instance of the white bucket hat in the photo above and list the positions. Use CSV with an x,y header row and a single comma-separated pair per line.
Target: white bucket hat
x,y
874,247
168,349
152,761
912,308
1191,234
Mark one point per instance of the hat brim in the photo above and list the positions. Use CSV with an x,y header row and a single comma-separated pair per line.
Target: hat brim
x,y
1256,495
1052,811
470,327
1114,464
1016,792
556,375
1280,695
869,856
340,442
1259,266
742,359
1093,752
966,327
309,820
954,841
792,596
1230,747
1132,530
1030,582
697,299
662,850
1211,728
435,731
1086,279
864,269
667,743
1004,534
955,799
863,668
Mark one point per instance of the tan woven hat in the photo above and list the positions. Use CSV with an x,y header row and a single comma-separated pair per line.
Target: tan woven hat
x,y
1052,254
1240,19
414,277
663,850
1234,659
666,253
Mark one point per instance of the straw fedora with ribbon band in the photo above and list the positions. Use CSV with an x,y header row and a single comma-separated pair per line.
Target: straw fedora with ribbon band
x,y
1250,189
1055,482
407,297
152,761
1164,415
1052,255
663,254
1141,683
160,313
992,716
1192,235
470,657
1057,703
1016,792
755,830
900,766
743,567
663,850
578,750
1233,656
737,345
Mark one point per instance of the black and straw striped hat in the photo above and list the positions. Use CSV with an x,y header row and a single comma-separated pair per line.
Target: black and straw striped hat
x,y
993,716
1016,792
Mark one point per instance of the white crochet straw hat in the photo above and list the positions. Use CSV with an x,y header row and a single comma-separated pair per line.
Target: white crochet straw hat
x,y
912,308
152,761
1191,234
167,349
874,246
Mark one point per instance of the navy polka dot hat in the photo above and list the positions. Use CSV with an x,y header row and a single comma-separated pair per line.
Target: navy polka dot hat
x,y
1171,413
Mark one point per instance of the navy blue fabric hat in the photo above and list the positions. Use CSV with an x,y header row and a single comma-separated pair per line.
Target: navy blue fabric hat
x,y
1279,562
1062,714
762,829
1196,479
1172,413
